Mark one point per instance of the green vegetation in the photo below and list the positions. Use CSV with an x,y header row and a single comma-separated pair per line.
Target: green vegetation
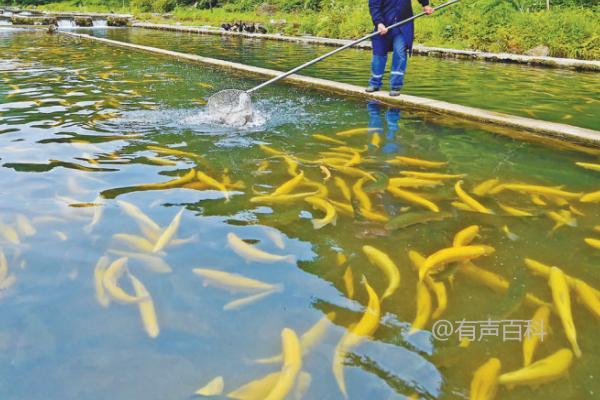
x,y
569,28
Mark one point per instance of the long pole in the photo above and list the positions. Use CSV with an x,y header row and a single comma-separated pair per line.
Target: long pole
x,y
362,39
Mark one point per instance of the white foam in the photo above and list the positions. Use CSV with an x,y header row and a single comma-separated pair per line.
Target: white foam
x,y
65,23
100,23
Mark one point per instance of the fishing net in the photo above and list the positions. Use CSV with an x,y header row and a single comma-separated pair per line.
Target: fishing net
x,y
231,107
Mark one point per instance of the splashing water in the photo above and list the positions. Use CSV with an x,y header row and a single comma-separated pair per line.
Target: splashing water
x,y
231,107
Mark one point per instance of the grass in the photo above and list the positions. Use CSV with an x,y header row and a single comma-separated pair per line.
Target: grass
x,y
487,25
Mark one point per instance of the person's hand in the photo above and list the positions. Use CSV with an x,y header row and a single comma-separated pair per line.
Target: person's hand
x,y
428,10
382,29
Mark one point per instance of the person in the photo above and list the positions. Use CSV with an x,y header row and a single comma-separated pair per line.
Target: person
x,y
398,40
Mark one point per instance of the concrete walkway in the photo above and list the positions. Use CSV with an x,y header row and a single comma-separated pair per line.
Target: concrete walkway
x,y
532,129
554,62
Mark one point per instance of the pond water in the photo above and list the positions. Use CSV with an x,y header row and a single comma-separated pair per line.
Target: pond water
x,y
550,94
104,156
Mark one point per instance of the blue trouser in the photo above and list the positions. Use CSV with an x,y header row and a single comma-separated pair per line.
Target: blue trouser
x,y
399,60
392,117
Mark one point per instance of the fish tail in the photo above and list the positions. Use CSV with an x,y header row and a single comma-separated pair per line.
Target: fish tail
x,y
291,259
318,224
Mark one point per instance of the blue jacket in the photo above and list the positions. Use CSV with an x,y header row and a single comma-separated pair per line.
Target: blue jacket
x,y
388,12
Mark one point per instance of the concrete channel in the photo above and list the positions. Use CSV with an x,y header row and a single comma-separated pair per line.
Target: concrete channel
x,y
552,62
505,124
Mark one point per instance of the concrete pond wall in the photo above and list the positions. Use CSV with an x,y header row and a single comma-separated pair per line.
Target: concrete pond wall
x,y
505,124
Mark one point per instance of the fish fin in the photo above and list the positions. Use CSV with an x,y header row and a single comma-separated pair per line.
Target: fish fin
x,y
317,224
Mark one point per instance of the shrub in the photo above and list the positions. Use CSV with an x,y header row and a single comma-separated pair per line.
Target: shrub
x,y
142,5
164,6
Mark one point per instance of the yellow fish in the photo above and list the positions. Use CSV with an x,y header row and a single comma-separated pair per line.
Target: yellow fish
x,y
335,154
562,219
258,389
353,172
413,182
325,172
361,196
232,282
438,288
515,212
24,225
430,175
416,162
423,308
373,216
276,237
382,261
151,261
168,233
136,242
354,160
484,187
376,139
282,198
263,166
245,301
343,208
10,234
539,269
323,205
593,197
484,385
537,200
213,388
161,161
354,132
562,303
349,282
535,189
173,152
270,150
328,139
290,185
111,277
588,296
98,211
595,243
439,259
341,184
205,85
322,190
540,323
308,340
413,198
150,228
3,266
212,182
510,235
99,272
576,211
465,236
545,370
470,201
251,253
146,307
591,166
366,327
292,365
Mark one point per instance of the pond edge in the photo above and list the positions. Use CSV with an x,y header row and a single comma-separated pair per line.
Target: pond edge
x,y
532,127
536,61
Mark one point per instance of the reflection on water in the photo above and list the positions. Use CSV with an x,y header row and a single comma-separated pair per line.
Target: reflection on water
x,y
145,253
549,94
